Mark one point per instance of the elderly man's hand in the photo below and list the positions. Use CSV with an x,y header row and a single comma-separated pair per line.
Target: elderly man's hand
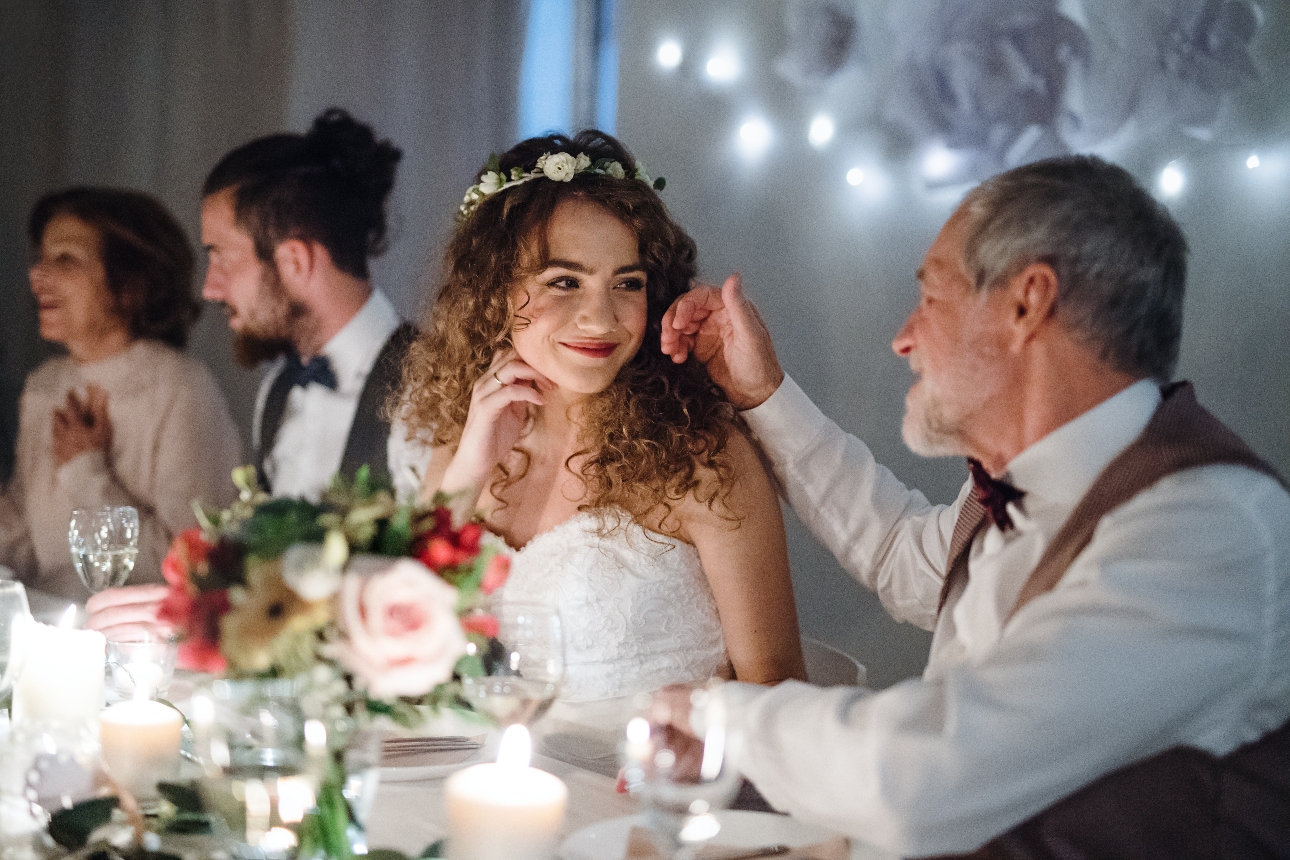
x,y
722,329
128,612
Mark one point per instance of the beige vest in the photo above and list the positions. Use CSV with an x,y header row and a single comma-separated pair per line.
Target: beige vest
x,y
1183,802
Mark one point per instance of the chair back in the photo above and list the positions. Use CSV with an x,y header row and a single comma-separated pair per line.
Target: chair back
x,y
827,666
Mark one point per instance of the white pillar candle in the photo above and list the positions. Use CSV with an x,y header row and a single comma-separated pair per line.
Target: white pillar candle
x,y
506,810
60,673
140,743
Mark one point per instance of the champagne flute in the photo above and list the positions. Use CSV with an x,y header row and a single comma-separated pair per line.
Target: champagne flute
x,y
13,604
104,542
681,774
523,667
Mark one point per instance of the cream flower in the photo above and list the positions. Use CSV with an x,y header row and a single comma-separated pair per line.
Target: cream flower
x,y
401,636
582,163
615,170
560,166
490,183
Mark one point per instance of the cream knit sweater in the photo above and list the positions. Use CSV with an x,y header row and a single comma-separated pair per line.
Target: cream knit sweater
x,y
173,441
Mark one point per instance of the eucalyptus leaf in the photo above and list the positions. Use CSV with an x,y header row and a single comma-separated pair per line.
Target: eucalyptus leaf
x,y
435,849
184,796
71,828
387,854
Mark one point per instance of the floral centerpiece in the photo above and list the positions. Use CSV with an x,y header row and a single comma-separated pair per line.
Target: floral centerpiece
x,y
375,607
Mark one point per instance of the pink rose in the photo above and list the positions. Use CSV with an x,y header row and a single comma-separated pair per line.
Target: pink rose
x,y
399,620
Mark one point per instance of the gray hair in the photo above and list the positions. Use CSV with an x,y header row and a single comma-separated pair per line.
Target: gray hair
x,y
1120,258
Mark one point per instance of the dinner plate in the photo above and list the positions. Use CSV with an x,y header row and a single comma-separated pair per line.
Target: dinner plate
x,y
607,840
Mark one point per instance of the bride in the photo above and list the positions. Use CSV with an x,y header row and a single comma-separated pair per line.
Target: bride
x,y
626,483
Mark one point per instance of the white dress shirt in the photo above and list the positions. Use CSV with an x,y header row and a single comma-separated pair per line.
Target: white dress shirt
x,y
315,423
1171,628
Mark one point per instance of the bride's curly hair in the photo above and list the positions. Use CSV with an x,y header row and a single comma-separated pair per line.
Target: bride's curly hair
x,y
660,431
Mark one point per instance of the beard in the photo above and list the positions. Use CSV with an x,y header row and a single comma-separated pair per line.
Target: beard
x,y
273,325
929,428
939,411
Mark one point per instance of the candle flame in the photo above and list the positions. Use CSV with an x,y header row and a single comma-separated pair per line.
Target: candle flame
x,y
68,619
516,748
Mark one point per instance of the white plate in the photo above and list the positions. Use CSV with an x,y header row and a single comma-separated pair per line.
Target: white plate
x,y
454,761
607,840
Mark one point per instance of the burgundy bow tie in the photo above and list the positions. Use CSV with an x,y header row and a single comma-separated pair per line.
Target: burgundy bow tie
x,y
993,494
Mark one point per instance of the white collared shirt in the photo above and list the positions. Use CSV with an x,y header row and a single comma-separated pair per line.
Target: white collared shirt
x,y
1171,628
316,420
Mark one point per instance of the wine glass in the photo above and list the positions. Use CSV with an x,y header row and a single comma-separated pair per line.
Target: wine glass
x,y
104,542
13,604
523,666
681,774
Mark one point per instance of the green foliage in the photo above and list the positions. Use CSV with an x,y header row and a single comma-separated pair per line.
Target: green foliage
x,y
71,828
278,524
325,830
184,796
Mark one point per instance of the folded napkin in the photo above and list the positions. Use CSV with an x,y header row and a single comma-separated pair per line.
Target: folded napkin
x,y
640,846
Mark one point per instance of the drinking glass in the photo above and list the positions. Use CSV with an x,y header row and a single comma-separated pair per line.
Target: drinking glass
x,y
681,775
13,604
261,771
140,667
523,667
104,542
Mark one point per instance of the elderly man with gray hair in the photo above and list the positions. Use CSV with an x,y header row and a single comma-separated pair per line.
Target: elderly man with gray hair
x,y
1110,593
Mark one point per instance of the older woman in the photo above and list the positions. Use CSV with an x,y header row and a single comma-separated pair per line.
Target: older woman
x,y
124,418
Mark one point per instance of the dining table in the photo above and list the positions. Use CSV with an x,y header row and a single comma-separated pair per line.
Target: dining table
x,y
409,814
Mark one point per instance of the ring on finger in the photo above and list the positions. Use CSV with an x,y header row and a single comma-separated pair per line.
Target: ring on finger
x,y
499,379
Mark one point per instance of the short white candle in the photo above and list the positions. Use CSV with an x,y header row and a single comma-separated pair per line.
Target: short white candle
x,y
140,742
60,678
504,811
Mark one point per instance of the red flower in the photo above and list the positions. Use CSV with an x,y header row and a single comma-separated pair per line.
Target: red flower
x,y
484,625
199,650
499,568
188,550
468,537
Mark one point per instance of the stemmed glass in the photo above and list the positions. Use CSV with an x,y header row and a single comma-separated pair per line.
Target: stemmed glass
x,y
13,604
681,774
523,669
104,542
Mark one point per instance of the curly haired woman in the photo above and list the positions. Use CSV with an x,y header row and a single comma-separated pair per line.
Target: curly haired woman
x,y
626,482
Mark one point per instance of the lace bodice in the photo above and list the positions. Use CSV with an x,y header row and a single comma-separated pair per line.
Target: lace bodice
x,y
636,608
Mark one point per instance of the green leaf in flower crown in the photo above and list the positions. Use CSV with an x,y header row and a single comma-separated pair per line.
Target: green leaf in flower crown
x,y
71,828
435,849
494,163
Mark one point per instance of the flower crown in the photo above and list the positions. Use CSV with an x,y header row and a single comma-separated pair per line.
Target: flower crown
x,y
559,167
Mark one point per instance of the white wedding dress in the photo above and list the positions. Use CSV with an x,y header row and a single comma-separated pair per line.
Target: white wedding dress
x,y
635,606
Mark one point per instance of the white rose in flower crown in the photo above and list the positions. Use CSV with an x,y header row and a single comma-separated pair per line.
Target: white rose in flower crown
x,y
582,163
490,183
615,170
399,620
560,167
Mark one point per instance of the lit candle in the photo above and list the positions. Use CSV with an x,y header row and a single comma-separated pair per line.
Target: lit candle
x,y
506,810
140,742
59,671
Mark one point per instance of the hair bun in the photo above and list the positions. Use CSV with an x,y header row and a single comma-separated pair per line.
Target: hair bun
x,y
348,148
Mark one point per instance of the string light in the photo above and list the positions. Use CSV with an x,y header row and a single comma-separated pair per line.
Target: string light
x,y
1252,162
821,131
754,136
723,67
1172,179
669,54
855,176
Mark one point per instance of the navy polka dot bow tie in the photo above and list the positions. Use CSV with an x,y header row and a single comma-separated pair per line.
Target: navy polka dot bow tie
x,y
317,369
993,494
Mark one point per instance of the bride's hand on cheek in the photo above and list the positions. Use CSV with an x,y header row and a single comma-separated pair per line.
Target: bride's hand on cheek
x,y
499,411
